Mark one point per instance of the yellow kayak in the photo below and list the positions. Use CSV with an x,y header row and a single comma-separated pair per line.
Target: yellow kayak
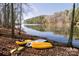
x,y
41,45
17,49
22,43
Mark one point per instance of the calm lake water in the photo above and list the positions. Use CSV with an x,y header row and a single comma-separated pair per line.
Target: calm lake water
x,y
52,36
58,31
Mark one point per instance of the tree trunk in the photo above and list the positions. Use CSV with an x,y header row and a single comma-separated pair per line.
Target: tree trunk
x,y
72,27
20,18
0,19
8,14
12,20
4,11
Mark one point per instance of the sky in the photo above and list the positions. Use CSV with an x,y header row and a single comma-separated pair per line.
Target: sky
x,y
46,9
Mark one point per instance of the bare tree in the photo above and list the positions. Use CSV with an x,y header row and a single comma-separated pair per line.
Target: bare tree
x,y
4,12
20,18
12,19
8,15
72,27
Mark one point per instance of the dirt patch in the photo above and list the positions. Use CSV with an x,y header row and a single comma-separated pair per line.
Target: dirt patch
x,y
6,44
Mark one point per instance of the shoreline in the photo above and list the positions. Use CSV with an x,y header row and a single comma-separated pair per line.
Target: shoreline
x,y
7,44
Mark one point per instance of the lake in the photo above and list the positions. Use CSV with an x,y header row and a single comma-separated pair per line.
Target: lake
x,y
32,30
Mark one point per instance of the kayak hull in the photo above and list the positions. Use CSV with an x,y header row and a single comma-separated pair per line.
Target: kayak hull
x,y
22,43
41,45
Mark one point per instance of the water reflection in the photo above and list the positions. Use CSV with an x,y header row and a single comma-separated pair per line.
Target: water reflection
x,y
55,30
50,35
